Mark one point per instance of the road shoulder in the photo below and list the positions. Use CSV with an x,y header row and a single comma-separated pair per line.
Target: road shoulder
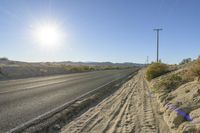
x,y
130,109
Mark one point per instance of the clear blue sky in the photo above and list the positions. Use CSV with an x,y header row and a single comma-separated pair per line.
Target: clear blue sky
x,y
102,30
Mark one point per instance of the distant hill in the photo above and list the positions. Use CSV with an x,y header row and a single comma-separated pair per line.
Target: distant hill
x,y
5,61
126,64
17,69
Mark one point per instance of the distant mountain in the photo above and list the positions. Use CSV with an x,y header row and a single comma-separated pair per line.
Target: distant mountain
x,y
5,61
126,64
17,69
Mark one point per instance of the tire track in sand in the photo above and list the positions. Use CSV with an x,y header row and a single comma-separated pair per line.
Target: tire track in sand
x,y
128,110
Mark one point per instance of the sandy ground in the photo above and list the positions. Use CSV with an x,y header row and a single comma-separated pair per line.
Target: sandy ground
x,y
129,110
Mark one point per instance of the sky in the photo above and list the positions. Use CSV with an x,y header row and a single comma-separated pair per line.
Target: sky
x,y
101,30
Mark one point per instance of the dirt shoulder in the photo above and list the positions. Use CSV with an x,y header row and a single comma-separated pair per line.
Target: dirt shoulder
x,y
130,109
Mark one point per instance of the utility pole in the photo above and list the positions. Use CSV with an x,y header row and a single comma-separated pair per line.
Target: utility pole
x,y
157,30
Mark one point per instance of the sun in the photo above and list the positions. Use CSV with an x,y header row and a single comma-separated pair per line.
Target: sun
x,y
48,35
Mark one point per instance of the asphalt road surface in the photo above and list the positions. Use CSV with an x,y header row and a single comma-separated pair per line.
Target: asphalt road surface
x,y
24,99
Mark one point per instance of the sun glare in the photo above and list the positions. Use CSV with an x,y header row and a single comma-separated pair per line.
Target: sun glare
x,y
48,35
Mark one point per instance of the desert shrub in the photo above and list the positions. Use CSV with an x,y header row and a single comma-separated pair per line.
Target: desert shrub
x,y
185,61
91,68
78,68
169,83
156,69
112,67
187,75
196,68
173,67
4,59
1,67
83,68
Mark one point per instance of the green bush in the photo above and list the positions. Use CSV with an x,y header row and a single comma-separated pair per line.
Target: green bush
x,y
196,68
169,83
156,69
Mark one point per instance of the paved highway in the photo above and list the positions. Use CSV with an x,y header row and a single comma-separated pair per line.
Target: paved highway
x,y
24,99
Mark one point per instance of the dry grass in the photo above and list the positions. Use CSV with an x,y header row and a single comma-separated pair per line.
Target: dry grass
x,y
195,69
169,83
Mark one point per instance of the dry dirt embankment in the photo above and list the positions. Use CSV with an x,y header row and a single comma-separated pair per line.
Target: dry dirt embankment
x,y
178,96
128,110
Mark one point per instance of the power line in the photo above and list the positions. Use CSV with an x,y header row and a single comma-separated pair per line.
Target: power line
x,y
157,30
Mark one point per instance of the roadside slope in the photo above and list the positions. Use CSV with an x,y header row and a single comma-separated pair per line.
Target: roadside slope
x,y
130,109
178,95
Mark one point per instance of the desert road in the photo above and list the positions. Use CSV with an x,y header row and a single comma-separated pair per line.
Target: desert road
x,y
24,99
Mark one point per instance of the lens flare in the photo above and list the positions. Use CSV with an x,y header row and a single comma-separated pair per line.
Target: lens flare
x,y
48,35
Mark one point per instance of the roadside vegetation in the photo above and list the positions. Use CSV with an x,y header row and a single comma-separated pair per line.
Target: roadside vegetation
x,y
177,76
169,83
91,68
155,70
4,59
185,61
196,68
177,92
1,67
